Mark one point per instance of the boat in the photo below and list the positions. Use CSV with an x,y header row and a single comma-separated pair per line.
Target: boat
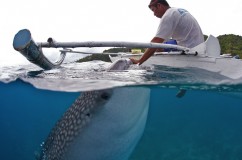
x,y
206,55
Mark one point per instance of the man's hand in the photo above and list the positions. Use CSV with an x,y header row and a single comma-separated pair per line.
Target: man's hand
x,y
134,61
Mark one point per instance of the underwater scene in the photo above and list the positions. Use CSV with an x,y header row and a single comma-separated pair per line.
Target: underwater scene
x,y
81,111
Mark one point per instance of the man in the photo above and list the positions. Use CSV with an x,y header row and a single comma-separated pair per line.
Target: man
x,y
175,23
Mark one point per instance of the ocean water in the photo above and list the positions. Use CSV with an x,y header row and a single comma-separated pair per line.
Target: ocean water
x,y
193,114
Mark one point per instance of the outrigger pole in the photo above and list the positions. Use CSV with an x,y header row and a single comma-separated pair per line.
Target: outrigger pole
x,y
24,43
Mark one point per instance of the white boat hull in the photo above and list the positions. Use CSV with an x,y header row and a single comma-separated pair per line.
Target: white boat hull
x,y
229,67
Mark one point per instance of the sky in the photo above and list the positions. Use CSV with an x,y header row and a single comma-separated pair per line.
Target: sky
x,y
104,20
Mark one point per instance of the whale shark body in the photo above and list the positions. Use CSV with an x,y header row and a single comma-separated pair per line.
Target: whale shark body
x,y
99,125
105,124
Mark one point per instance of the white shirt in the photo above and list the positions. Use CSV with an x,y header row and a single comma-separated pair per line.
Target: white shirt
x,y
180,25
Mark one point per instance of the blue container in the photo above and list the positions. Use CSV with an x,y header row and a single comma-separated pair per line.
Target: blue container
x,y
171,41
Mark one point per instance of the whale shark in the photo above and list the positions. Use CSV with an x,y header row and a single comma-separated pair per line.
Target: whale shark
x,y
120,64
104,124
100,125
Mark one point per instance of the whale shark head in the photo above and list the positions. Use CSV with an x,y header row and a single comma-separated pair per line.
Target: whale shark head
x,y
120,65
105,124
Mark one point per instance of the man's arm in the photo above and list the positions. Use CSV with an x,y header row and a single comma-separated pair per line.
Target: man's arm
x,y
148,53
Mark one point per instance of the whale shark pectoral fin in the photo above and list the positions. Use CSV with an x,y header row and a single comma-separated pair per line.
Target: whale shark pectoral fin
x,y
181,93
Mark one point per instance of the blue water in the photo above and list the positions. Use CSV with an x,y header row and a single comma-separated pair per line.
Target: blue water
x,y
204,124
27,116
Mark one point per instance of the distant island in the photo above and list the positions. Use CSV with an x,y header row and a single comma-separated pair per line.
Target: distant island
x,y
231,44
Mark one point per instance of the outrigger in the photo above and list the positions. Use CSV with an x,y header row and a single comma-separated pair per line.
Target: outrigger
x,y
204,56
